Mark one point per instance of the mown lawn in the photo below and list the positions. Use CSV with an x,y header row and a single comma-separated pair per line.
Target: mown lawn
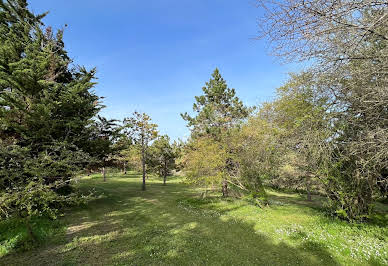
x,y
171,225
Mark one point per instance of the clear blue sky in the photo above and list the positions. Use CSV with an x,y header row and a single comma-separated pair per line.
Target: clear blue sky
x,y
154,56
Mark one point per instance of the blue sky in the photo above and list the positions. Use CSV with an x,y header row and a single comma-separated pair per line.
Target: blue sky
x,y
154,56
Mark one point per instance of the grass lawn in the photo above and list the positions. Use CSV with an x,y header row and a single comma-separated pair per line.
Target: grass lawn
x,y
170,225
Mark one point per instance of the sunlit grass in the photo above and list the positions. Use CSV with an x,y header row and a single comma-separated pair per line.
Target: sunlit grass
x,y
171,225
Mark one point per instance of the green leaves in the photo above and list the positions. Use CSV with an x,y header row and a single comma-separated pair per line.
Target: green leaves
x,y
140,128
217,110
161,156
37,199
217,113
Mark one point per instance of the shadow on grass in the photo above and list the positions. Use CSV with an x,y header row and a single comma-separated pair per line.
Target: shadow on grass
x,y
131,227
316,203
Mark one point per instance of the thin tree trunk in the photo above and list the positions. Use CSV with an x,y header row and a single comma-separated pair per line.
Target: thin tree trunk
x,y
204,194
224,188
308,195
144,168
308,189
165,173
125,169
29,229
104,173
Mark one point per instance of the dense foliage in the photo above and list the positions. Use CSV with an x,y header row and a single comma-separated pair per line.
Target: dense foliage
x,y
322,134
325,132
217,113
46,110
347,144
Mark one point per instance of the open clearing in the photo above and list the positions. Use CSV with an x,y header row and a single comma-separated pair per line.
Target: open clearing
x,y
170,225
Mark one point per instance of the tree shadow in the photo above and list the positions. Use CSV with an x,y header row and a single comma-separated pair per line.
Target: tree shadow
x,y
315,204
154,228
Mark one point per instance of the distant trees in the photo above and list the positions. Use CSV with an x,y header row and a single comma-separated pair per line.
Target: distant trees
x,y
142,131
123,147
133,155
162,155
102,146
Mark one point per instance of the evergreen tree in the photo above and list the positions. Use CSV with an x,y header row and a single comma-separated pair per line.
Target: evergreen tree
x,y
46,109
218,110
123,147
102,146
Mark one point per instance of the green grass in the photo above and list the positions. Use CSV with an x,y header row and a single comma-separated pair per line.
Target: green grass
x,y
171,225
14,234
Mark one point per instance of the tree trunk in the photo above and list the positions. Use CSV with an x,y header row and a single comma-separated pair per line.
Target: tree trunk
x,y
308,195
125,169
204,194
144,168
104,173
224,188
29,229
308,189
165,173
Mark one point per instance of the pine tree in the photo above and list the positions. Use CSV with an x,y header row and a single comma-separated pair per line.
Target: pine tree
x,y
218,110
102,145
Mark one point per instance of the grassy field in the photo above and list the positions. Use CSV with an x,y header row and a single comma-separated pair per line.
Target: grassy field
x,y
170,225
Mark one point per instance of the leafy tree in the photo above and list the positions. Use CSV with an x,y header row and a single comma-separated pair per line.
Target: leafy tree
x,y
256,151
347,41
162,156
142,131
204,162
302,116
217,111
44,103
133,155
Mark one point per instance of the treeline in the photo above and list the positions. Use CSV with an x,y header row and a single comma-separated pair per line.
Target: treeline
x,y
136,144
327,129
325,132
50,127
